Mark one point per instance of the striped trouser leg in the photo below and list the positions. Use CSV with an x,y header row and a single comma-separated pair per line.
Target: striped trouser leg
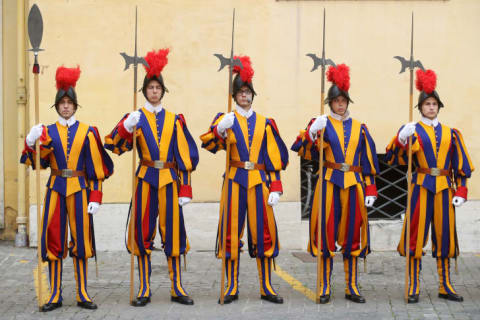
x,y
326,265
175,272
144,273
80,267
232,268
443,269
415,268
264,266
55,269
350,267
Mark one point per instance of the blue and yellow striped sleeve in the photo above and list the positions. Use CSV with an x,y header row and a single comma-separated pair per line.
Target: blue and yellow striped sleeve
x,y
119,140
305,147
396,153
46,147
276,156
186,155
461,164
369,162
99,165
211,140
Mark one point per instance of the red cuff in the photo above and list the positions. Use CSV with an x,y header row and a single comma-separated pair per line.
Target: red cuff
x,y
462,192
43,137
371,190
307,133
124,133
28,148
95,196
219,137
185,191
400,145
276,186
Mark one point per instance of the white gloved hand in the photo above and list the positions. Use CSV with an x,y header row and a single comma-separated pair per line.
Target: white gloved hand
x,y
226,123
273,198
131,121
34,134
93,207
407,131
182,201
369,201
458,201
317,125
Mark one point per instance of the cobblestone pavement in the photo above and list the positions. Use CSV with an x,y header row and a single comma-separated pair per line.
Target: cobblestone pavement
x,y
382,286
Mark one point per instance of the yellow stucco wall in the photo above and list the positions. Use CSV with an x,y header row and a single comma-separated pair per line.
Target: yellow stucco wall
x,y
277,35
9,35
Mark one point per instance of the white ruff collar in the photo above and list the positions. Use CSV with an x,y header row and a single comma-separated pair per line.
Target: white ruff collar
x,y
338,117
242,112
428,122
67,123
153,109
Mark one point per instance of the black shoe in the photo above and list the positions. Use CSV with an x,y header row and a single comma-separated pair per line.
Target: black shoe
x,y
451,296
355,298
183,300
87,305
50,306
140,302
229,298
324,299
413,298
272,298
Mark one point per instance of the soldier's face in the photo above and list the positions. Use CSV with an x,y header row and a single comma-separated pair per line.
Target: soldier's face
x,y
244,97
430,108
154,92
66,108
339,105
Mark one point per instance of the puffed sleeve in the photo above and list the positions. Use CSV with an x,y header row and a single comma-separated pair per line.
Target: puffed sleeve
x,y
46,147
211,140
461,164
305,146
369,162
119,140
276,156
99,165
186,155
397,153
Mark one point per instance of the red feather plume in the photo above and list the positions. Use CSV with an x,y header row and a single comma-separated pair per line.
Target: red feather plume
x,y
247,72
156,62
339,76
67,77
426,81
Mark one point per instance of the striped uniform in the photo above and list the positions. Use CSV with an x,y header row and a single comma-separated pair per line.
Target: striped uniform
x,y
257,140
344,215
77,147
431,204
163,136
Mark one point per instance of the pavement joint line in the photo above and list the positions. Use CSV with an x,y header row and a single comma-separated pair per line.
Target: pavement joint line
x,y
5,259
294,283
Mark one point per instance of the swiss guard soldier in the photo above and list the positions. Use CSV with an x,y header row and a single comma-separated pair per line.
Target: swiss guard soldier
x,y
439,184
257,154
348,185
168,155
78,162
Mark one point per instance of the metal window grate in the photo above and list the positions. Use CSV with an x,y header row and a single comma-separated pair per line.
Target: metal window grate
x,y
391,184
392,191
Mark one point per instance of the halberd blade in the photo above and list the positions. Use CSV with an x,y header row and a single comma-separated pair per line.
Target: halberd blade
x,y
35,27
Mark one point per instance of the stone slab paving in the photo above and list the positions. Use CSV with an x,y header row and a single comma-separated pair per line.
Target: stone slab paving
x,y
382,286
